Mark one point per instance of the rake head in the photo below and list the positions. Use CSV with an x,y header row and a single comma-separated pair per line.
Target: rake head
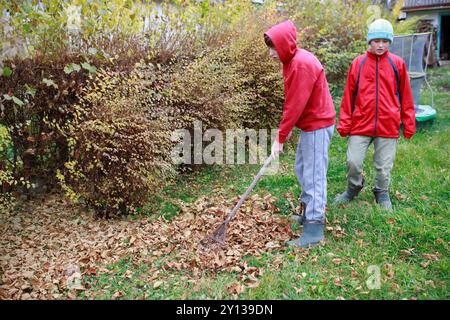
x,y
217,238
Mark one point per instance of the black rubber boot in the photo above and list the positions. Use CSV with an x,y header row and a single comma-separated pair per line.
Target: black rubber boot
x,y
383,199
312,235
348,195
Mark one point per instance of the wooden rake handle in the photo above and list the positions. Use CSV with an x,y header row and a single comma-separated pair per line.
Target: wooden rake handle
x,y
249,189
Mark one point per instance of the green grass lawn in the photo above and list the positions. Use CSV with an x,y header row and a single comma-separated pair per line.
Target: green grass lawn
x,y
408,247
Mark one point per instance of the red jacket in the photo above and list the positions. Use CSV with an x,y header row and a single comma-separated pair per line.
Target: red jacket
x,y
383,97
308,104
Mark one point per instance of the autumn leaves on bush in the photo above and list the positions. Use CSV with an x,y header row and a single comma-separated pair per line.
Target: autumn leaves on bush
x,y
96,118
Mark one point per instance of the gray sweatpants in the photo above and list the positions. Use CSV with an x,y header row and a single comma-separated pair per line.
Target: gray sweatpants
x,y
383,158
311,164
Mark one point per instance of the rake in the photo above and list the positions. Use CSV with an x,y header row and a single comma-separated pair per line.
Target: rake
x,y
217,238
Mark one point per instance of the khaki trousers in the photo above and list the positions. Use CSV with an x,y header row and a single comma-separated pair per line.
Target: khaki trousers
x,y
383,159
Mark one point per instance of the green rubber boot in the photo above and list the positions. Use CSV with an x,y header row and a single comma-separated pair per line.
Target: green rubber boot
x,y
383,199
348,195
312,235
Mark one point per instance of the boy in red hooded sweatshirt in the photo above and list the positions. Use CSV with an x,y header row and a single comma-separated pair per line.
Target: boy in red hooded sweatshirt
x,y
308,106
376,98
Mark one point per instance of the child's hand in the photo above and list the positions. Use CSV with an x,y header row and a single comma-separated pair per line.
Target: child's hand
x,y
406,135
277,148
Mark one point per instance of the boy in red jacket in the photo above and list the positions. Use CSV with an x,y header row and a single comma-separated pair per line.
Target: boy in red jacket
x,y
376,98
308,106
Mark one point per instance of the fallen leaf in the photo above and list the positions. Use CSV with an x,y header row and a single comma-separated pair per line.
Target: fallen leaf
x,y
431,256
390,270
271,245
91,271
298,290
337,261
400,196
252,284
395,286
337,282
407,252
236,269
235,288
128,274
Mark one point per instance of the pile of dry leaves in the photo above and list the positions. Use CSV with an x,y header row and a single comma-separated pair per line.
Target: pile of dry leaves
x,y
47,247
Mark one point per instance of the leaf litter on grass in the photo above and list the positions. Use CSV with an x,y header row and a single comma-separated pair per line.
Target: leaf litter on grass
x,y
47,247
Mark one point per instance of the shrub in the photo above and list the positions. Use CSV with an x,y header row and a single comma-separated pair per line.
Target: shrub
x,y
6,159
260,78
117,154
37,104
333,30
43,67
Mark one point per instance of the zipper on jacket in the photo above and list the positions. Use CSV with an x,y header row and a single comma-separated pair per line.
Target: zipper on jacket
x,y
376,98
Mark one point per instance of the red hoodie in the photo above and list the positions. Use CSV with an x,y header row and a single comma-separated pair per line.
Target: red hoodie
x,y
383,97
308,104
